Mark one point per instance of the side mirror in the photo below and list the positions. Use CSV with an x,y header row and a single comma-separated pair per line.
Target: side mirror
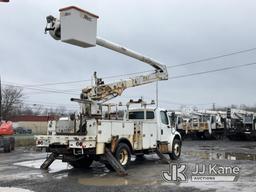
x,y
72,117
172,118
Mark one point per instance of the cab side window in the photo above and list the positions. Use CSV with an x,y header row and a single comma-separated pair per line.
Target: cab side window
x,y
164,118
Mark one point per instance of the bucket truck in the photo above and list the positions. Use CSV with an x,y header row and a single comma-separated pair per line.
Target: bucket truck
x,y
203,124
241,124
142,130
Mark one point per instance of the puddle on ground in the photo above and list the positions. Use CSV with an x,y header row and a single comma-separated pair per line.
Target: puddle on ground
x,y
211,155
13,189
15,176
208,147
240,156
115,181
55,167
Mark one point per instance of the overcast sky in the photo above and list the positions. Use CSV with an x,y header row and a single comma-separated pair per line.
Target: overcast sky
x,y
172,32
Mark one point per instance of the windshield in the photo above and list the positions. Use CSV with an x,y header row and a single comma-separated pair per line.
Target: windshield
x,y
164,118
140,115
204,118
248,119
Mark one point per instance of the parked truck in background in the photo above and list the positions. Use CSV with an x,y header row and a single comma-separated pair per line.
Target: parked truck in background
x,y
241,124
199,124
7,141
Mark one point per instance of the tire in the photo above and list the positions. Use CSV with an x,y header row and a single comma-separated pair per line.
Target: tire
x,y
200,136
7,148
12,141
207,135
140,157
176,149
13,147
123,154
83,163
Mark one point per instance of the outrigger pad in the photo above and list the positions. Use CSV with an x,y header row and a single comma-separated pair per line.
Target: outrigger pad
x,y
162,157
114,163
46,164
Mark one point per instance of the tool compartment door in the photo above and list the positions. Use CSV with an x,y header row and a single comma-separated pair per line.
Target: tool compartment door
x,y
137,136
149,135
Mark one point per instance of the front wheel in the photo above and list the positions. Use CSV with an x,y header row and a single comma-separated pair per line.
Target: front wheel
x,y
176,149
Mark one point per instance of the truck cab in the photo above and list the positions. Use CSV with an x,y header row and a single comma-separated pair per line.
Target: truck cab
x,y
157,128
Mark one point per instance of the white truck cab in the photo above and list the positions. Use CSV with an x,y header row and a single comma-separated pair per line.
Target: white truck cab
x,y
157,128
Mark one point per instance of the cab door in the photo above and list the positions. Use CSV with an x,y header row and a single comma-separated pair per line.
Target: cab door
x,y
165,130
212,124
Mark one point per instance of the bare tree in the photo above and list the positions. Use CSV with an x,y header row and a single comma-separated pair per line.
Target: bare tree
x,y
11,101
26,111
37,109
61,110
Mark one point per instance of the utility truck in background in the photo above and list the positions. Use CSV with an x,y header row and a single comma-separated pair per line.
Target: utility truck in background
x,y
241,124
207,124
200,124
99,133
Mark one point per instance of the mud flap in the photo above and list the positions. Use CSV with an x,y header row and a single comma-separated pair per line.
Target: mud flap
x,y
46,164
114,163
162,157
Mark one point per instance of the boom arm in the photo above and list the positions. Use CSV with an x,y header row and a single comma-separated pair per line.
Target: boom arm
x,y
130,53
100,91
103,92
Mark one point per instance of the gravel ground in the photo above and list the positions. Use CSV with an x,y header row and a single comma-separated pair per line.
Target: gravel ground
x,y
19,171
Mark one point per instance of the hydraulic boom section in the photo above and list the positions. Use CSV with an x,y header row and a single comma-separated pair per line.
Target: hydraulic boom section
x,y
104,92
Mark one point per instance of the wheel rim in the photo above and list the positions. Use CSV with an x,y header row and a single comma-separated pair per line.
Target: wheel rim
x,y
123,157
177,149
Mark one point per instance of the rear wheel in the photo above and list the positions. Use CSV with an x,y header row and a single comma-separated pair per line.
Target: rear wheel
x,y
176,149
13,147
12,141
123,154
7,148
84,162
